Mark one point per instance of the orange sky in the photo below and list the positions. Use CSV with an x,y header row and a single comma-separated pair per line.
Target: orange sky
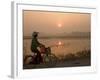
x,y
55,22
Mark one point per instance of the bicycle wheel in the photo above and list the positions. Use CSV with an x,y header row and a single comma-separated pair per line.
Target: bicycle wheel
x,y
53,59
50,60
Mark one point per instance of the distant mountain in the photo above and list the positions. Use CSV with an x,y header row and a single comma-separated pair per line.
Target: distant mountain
x,y
80,34
63,35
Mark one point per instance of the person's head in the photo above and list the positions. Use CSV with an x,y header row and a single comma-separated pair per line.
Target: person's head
x,y
34,34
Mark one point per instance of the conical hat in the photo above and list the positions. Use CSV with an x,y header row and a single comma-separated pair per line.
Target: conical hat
x,y
35,33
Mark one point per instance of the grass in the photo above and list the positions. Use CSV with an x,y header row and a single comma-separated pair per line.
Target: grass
x,y
78,55
80,58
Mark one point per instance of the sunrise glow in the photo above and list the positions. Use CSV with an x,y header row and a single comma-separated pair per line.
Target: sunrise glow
x,y
59,25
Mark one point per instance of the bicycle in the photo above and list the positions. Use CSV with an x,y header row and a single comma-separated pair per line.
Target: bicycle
x,y
49,59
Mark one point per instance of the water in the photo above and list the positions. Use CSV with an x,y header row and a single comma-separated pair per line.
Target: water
x,y
60,47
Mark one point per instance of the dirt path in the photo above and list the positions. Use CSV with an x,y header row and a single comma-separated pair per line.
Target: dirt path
x,y
71,63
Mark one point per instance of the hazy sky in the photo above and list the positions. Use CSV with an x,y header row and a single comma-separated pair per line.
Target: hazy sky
x,y
55,22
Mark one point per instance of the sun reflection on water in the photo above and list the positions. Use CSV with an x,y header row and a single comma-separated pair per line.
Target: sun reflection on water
x,y
59,43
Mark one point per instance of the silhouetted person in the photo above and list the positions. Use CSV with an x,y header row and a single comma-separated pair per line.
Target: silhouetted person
x,y
34,48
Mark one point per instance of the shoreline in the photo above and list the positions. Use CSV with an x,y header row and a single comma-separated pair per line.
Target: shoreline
x,y
71,63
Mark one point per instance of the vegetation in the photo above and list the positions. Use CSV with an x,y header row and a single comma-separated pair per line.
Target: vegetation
x,y
71,59
78,55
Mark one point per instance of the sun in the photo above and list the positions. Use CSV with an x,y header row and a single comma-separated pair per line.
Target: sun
x,y
59,25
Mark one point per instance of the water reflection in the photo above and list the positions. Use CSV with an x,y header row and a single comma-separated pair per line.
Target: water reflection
x,y
59,43
61,47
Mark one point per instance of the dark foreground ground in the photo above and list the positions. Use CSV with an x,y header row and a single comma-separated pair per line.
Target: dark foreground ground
x,y
68,63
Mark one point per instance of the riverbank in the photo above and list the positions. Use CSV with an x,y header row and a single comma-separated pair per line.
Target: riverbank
x,y
69,63
81,58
